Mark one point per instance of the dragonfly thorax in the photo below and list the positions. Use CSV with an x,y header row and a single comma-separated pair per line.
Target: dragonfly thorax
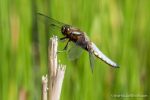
x,y
65,30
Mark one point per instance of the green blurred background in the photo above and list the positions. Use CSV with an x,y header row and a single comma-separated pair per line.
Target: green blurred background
x,y
120,28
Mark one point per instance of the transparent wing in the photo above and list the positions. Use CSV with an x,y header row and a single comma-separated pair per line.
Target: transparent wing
x,y
54,25
91,58
74,51
50,21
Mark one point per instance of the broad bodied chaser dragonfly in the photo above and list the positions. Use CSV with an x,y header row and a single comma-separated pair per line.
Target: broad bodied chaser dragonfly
x,y
79,38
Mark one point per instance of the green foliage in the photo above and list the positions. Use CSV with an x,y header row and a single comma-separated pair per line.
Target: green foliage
x,y
119,28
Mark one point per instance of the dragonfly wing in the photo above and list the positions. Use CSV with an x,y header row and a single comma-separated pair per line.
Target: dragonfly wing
x,y
91,58
54,25
74,51
102,56
50,21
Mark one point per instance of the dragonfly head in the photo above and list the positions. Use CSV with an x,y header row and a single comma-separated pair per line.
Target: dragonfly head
x,y
65,30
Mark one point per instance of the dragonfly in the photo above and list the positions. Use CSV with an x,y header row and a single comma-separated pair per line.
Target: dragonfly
x,y
79,38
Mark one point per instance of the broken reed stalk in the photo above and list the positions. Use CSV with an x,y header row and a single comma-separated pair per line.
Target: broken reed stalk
x,y
44,87
56,71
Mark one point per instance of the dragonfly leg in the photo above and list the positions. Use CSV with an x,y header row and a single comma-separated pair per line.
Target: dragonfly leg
x,y
63,38
65,48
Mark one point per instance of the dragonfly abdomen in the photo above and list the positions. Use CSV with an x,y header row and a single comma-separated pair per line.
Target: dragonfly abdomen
x,y
102,56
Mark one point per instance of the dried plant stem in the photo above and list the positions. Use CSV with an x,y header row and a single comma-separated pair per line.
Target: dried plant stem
x,y
56,71
44,87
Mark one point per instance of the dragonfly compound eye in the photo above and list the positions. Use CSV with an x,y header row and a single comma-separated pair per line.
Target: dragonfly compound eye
x,y
65,29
